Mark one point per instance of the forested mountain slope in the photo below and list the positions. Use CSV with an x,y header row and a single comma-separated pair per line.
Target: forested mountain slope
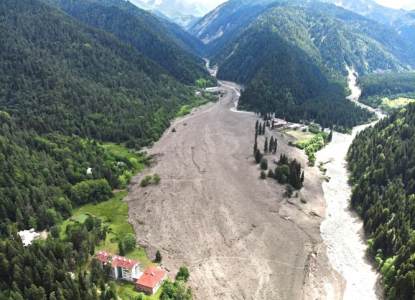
x,y
333,36
131,29
389,91
60,74
170,31
292,56
283,79
400,20
382,159
225,22
39,175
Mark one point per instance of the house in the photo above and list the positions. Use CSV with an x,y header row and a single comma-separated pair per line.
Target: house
x,y
28,236
151,280
279,123
198,94
122,268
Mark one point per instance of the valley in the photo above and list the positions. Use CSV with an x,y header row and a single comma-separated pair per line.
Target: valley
x,y
266,170
342,230
239,235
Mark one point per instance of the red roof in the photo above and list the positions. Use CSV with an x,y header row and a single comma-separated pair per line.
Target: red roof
x,y
151,277
117,261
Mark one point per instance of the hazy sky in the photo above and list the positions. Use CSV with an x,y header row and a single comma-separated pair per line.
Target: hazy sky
x,y
388,3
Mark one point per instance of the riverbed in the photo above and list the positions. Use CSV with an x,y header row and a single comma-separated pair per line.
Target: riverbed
x,y
342,229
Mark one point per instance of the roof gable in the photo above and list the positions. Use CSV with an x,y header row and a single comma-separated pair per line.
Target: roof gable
x,y
151,277
117,261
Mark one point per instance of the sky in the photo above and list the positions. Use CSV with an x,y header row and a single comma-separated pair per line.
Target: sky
x,y
395,3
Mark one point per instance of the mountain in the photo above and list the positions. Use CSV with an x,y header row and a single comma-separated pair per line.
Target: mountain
x,y
399,19
409,7
170,31
226,21
75,79
183,66
181,12
292,57
332,36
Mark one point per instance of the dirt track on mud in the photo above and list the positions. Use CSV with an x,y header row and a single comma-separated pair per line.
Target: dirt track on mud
x,y
238,234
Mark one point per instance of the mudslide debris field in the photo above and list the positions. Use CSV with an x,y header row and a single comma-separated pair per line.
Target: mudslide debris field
x,y
238,234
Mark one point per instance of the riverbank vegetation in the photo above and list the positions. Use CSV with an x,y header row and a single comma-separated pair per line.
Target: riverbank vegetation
x,y
389,91
382,161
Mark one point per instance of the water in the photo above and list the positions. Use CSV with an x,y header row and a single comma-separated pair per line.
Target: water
x,y
342,230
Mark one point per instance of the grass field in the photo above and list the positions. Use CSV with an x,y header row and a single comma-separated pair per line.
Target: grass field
x,y
81,218
127,291
113,213
121,150
397,103
299,135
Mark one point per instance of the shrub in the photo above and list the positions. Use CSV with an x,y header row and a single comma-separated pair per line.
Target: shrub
x,y
288,190
271,173
264,164
183,274
173,130
304,200
263,175
129,242
156,178
144,182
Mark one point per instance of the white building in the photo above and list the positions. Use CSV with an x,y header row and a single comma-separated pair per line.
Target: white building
x,y
122,268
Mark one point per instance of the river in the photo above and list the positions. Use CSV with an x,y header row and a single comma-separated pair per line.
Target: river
x,y
342,229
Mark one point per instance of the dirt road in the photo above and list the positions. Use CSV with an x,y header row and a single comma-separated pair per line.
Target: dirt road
x,y
238,234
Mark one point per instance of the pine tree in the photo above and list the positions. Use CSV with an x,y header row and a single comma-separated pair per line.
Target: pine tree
x,y
266,145
263,129
271,144
255,147
275,146
256,125
330,135
121,250
258,156
158,257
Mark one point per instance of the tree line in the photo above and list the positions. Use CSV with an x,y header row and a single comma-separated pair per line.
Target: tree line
x,y
382,161
43,176
78,80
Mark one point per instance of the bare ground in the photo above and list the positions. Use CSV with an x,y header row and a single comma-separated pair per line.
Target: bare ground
x,y
238,234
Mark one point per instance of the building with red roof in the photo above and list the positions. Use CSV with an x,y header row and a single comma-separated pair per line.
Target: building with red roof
x,y
122,268
151,280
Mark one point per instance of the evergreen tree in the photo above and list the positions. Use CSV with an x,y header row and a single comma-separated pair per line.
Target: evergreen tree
x,y
255,147
330,136
258,156
158,257
266,145
121,250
